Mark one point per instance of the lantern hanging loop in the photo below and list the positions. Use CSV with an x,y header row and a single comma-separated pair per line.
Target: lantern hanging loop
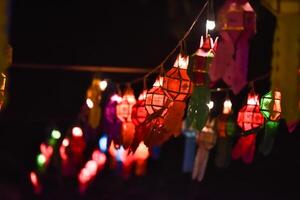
x,y
119,92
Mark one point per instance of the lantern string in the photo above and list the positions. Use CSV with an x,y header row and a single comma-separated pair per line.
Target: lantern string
x,y
179,44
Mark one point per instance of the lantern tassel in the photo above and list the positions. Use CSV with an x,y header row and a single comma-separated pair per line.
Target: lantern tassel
x,y
267,142
245,148
189,150
223,154
200,163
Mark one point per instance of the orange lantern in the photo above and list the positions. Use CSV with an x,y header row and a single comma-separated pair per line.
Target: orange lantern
x,y
176,81
125,106
139,112
249,116
157,98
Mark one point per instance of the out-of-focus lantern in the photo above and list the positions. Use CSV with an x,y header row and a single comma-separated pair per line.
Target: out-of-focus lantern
x,y
93,96
249,117
124,108
206,140
157,98
270,105
271,109
238,16
176,81
139,112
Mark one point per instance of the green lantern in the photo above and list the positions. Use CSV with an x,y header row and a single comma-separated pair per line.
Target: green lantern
x,y
270,107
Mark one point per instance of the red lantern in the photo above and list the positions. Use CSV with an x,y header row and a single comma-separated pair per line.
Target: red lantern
x,y
124,108
157,98
176,81
139,112
202,60
249,116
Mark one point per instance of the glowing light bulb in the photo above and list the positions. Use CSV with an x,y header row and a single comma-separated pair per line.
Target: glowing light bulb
x,y
34,179
210,105
116,98
210,25
103,143
41,159
77,132
227,106
65,142
89,103
103,85
55,134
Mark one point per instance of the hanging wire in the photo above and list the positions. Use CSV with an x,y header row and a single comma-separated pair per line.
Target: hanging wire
x,y
158,67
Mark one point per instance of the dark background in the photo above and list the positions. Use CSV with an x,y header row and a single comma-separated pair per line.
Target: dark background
x,y
124,33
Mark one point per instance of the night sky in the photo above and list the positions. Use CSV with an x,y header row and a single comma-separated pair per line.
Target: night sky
x,y
136,33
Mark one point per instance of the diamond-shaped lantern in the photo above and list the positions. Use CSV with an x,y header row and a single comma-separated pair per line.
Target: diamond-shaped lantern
x,y
176,81
270,105
157,98
139,112
201,61
250,117
124,108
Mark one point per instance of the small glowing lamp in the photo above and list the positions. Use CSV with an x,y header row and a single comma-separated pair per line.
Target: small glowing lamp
x,y
55,134
103,143
89,103
41,159
227,106
77,132
210,105
210,25
103,85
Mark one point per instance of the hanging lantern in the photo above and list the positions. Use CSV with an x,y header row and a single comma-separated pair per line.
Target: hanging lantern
x,y
237,16
139,112
270,105
201,61
157,98
176,81
113,127
225,125
271,109
124,108
249,117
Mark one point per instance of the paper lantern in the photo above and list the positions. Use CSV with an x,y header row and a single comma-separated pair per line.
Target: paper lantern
x,y
238,16
249,117
176,81
200,62
139,112
124,108
157,98
270,105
